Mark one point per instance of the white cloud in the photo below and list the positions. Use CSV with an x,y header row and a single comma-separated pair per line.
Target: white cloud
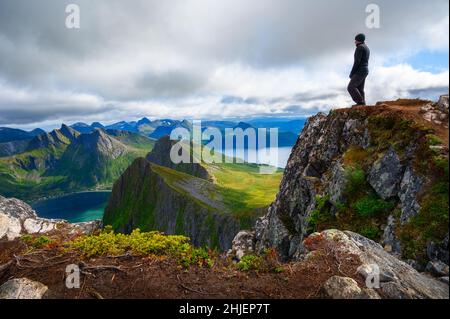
x,y
180,58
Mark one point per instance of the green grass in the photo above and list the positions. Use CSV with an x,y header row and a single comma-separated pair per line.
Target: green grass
x,y
244,188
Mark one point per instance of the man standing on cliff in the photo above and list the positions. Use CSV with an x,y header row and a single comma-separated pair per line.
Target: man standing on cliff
x,y
359,71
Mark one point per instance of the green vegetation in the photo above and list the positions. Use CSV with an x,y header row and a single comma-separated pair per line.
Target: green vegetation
x,y
108,243
266,262
36,242
321,216
250,262
369,206
50,170
431,223
362,211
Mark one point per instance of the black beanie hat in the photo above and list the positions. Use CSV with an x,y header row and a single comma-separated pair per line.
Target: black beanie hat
x,y
360,37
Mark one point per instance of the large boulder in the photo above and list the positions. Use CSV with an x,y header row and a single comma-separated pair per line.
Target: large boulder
x,y
337,287
18,218
397,279
22,288
243,244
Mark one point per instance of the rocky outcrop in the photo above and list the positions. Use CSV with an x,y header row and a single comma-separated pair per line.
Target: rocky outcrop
x,y
380,142
152,197
347,288
397,279
243,244
18,218
13,147
437,112
22,288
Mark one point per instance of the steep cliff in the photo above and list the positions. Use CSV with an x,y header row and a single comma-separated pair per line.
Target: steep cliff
x,y
152,197
209,203
161,156
381,171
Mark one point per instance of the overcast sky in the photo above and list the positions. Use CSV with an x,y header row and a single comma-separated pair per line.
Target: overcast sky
x,y
210,59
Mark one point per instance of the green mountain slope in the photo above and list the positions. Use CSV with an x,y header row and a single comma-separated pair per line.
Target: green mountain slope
x,y
64,161
209,203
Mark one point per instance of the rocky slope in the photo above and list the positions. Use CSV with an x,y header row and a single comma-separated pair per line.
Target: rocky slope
x,y
381,171
397,279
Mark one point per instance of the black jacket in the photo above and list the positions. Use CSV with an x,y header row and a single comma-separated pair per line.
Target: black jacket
x,y
361,65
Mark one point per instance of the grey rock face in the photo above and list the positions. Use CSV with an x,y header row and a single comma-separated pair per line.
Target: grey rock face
x,y
442,104
437,268
389,240
385,175
243,244
410,188
347,288
18,218
439,251
316,160
398,279
22,288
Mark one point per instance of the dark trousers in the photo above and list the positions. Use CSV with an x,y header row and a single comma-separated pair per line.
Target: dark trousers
x,y
356,88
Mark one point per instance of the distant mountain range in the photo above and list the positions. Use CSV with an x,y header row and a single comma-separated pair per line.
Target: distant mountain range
x,y
64,160
287,136
79,157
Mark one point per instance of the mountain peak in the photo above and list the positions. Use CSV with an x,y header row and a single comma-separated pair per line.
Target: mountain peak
x,y
97,125
69,132
243,125
144,121
100,142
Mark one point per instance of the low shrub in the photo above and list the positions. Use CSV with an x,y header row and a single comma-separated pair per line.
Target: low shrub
x,y
142,243
370,206
250,262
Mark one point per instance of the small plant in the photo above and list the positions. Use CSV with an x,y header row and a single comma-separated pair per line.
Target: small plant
x,y
370,206
356,181
41,242
433,140
320,215
250,262
371,232
26,238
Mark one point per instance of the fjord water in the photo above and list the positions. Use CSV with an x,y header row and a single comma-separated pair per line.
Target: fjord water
x,y
87,206
76,207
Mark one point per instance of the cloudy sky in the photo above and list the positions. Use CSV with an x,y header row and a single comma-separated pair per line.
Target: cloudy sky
x,y
209,59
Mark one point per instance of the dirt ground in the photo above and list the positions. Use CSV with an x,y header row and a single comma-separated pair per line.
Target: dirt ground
x,y
151,277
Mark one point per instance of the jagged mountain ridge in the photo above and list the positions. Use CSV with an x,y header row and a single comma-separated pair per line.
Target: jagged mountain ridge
x,y
65,160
